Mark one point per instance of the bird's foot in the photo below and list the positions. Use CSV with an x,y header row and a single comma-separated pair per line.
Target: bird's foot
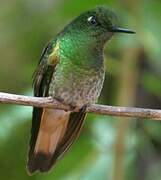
x,y
72,107
80,108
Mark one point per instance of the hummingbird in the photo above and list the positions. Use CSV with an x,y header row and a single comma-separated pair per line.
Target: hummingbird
x,y
71,70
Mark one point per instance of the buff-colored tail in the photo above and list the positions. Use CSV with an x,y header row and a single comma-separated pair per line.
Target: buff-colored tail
x,y
57,131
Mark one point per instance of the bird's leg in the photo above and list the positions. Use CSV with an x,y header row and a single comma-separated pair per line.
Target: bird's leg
x,y
72,107
81,108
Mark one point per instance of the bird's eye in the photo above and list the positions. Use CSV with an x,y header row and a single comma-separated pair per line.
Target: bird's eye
x,y
92,20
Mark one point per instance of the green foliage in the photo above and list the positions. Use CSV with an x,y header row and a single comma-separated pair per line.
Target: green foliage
x,y
25,27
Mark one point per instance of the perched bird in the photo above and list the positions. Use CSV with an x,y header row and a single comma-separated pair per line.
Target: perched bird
x,y
71,70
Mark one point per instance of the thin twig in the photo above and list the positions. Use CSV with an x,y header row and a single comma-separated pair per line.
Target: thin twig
x,y
49,102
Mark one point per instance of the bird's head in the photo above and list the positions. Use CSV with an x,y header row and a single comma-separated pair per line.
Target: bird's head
x,y
99,23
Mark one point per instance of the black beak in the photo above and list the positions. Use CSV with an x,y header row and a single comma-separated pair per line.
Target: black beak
x,y
122,30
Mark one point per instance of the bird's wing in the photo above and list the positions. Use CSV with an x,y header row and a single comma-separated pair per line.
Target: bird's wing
x,y
53,131
45,69
41,81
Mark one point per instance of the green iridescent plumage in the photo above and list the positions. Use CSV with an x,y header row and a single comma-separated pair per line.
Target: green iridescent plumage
x,y
71,69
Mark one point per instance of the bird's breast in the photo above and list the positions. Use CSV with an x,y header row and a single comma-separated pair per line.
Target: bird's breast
x,y
77,86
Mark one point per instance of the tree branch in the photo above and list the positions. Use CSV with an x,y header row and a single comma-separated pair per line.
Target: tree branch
x,y
49,102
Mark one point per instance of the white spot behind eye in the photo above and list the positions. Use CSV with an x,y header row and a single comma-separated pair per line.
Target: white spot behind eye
x,y
90,18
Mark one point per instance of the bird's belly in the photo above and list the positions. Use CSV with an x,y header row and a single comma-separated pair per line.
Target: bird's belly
x,y
78,91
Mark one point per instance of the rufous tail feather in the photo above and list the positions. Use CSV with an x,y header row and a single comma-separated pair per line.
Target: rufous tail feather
x,y
57,131
52,128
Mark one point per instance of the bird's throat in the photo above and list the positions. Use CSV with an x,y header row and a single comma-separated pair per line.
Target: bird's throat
x,y
82,51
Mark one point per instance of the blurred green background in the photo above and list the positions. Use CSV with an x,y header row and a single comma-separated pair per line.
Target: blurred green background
x,y
108,148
